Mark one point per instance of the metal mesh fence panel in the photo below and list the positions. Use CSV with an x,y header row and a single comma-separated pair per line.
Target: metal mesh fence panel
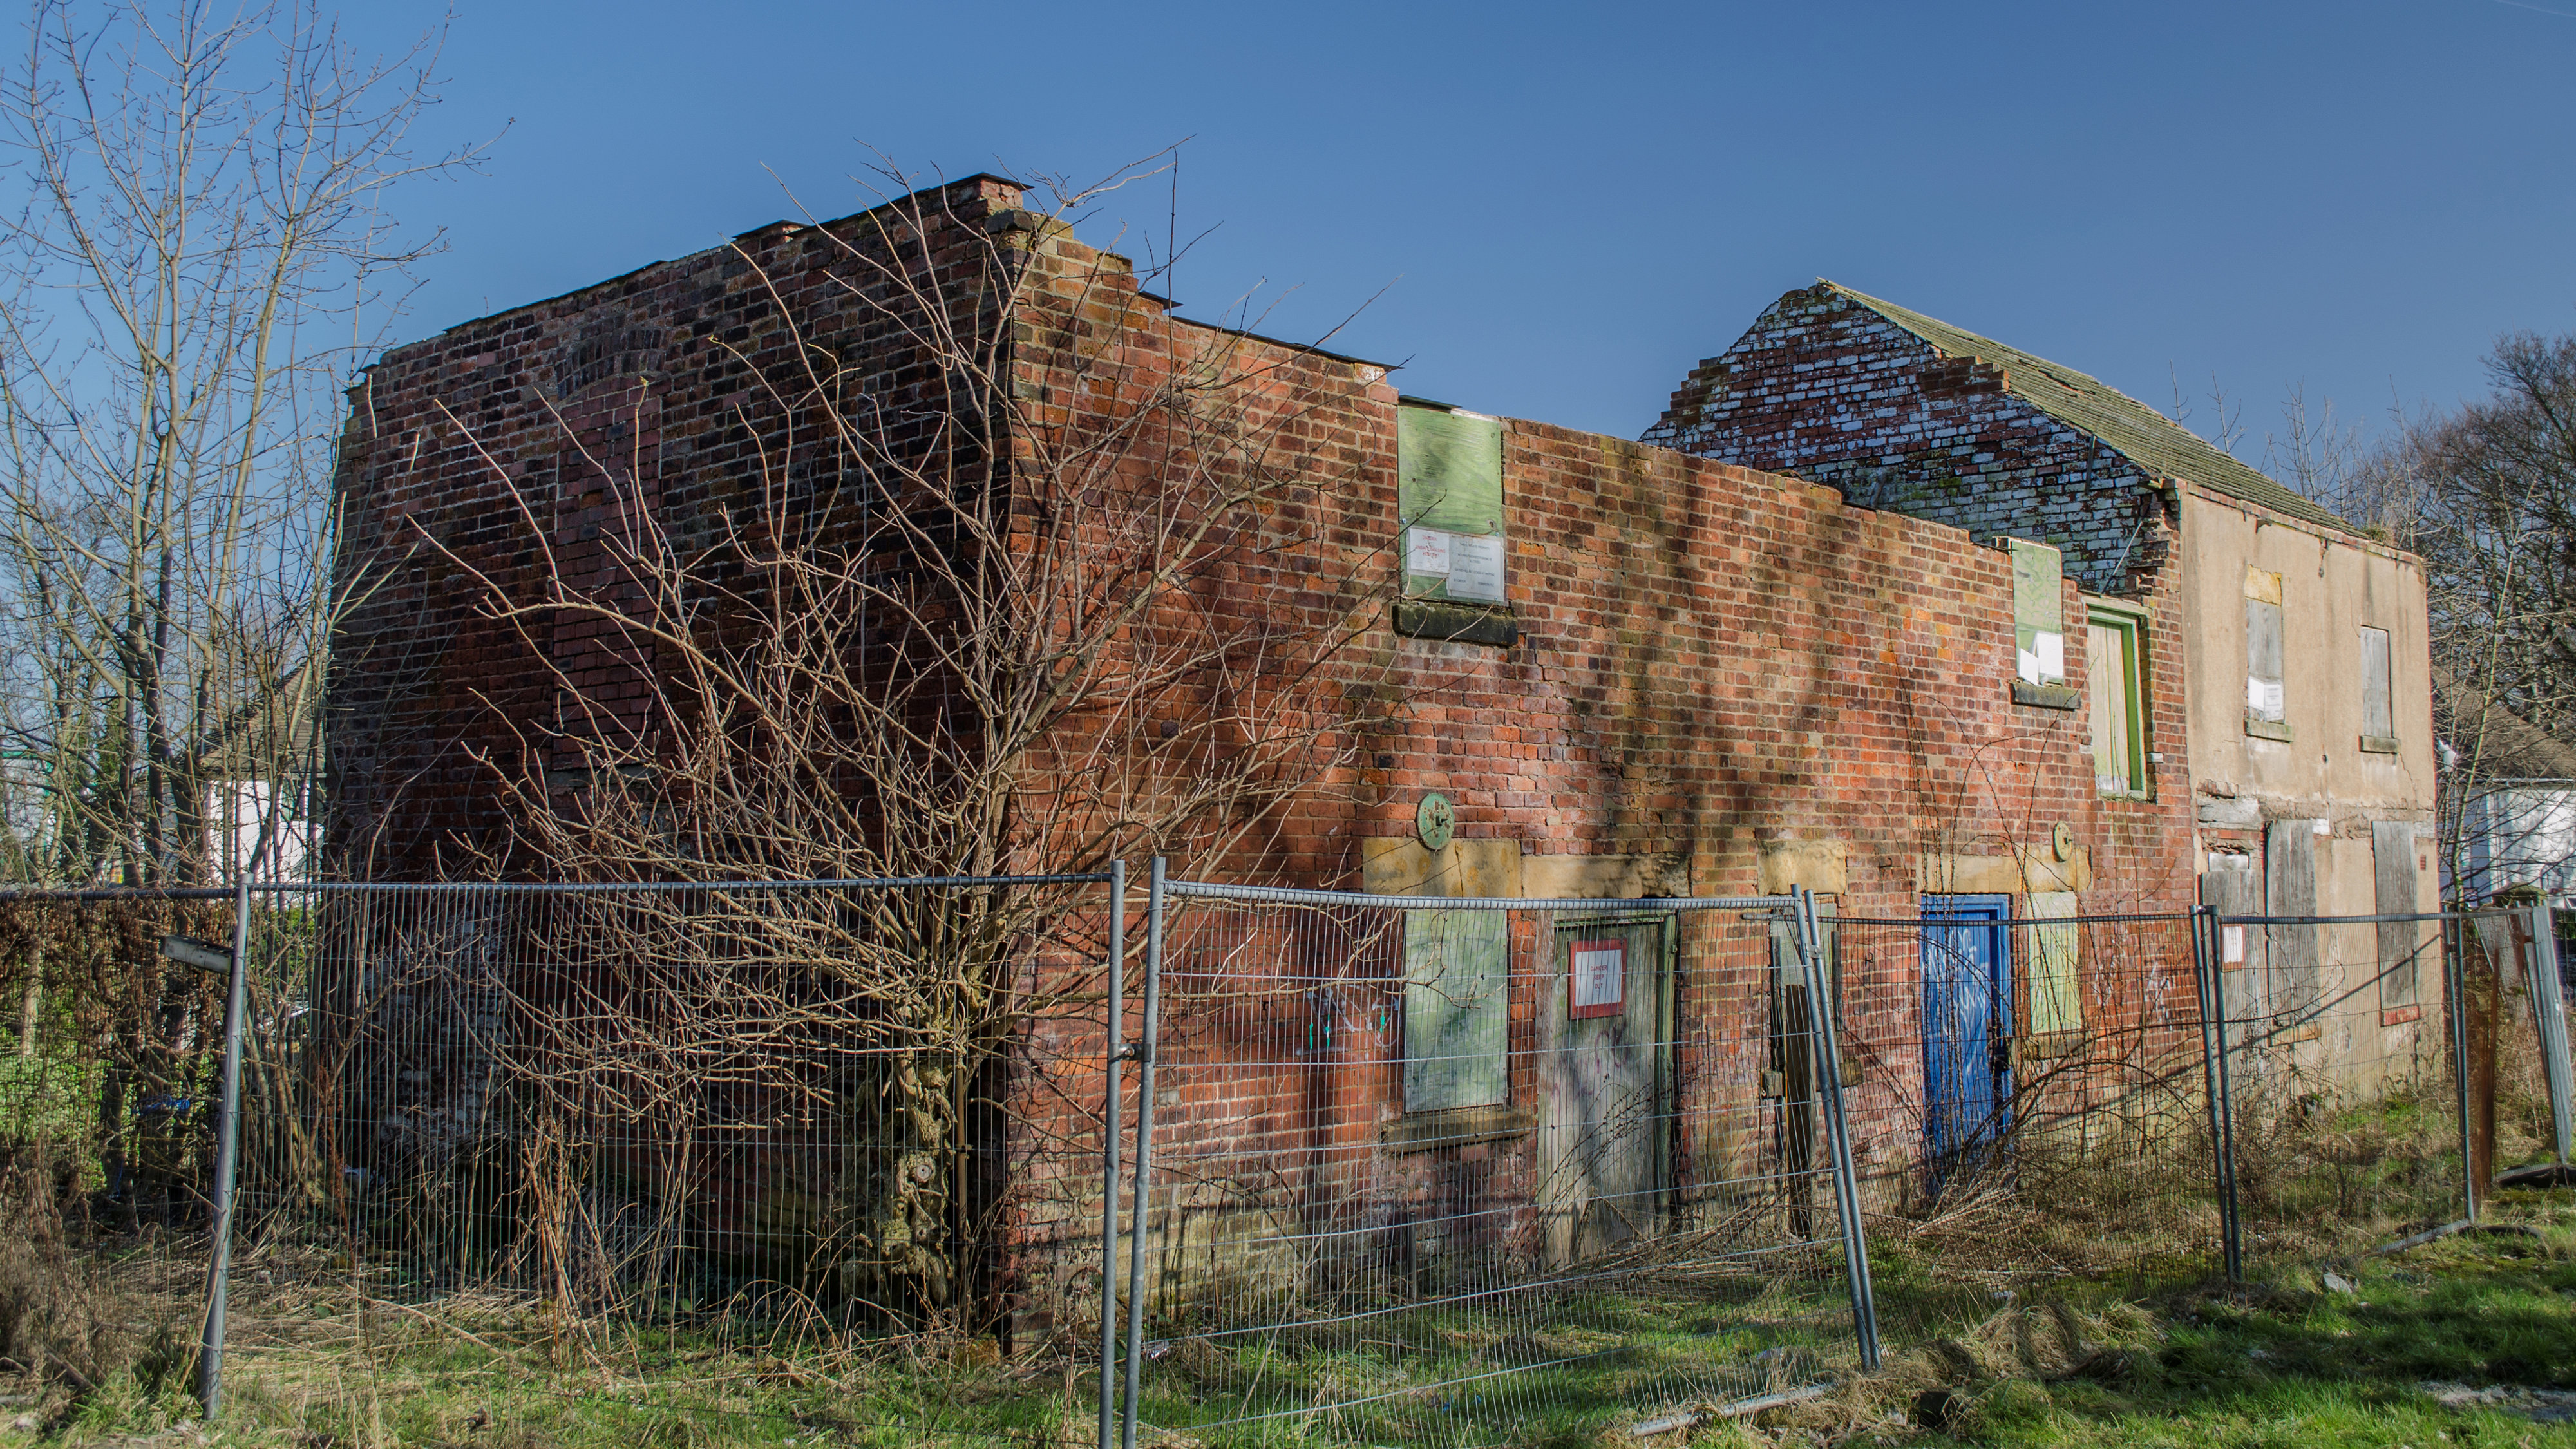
x,y
105,1119
115,1056
2345,1118
2030,1102
1484,1174
657,1101
2362,1058
571,1121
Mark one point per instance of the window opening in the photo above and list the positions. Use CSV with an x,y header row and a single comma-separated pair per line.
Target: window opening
x,y
2039,608
2056,986
1457,1009
2378,709
1449,490
2114,662
2265,715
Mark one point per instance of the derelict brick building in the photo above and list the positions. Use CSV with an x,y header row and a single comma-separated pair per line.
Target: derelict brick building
x,y
2297,644
1631,670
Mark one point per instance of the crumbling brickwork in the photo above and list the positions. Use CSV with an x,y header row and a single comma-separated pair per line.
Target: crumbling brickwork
x,y
1713,663
1824,388
478,462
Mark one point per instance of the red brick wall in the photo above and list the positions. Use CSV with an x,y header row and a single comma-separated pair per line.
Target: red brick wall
x,y
1711,657
540,438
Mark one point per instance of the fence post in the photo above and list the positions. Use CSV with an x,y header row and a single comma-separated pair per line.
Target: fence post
x,y
210,1349
2206,954
2549,1011
1113,1050
1825,1019
1144,1148
2455,941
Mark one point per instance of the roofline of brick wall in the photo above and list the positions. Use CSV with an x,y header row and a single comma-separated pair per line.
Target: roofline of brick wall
x,y
470,323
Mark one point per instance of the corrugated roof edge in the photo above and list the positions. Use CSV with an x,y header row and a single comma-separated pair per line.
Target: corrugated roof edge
x,y
2157,444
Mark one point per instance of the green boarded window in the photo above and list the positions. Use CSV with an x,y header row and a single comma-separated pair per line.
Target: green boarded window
x,y
1457,1009
1449,489
2114,666
2056,996
2039,605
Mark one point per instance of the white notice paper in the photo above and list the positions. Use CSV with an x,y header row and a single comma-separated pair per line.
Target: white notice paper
x,y
1599,977
2231,950
2027,666
1476,567
1426,551
2051,649
2263,697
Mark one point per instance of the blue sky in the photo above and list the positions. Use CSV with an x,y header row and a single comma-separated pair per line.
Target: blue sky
x,y
1559,210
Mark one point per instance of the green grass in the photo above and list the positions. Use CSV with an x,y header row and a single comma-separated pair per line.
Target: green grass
x,y
1559,1368
2284,1363
2075,1362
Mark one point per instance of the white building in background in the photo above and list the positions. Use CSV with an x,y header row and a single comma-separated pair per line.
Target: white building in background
x,y
2520,833
236,812
2508,802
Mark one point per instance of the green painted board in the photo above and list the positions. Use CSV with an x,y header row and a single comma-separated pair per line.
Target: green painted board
x,y
2056,991
1457,1009
2039,607
1449,479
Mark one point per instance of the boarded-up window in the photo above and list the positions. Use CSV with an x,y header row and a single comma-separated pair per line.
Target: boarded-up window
x,y
2056,998
2113,663
2233,886
2039,609
1457,1009
2290,889
2378,711
1449,489
2402,944
2264,705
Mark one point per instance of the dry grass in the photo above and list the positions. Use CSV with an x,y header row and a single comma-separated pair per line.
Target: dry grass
x,y
78,1326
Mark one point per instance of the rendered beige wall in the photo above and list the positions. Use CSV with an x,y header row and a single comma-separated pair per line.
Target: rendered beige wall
x,y
2330,589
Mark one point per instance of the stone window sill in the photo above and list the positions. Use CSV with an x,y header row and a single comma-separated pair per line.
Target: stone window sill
x,y
2047,696
2047,1046
2379,744
1457,623
2257,727
1456,1127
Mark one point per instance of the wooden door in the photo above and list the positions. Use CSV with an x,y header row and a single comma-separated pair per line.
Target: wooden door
x,y
1605,1074
1967,1031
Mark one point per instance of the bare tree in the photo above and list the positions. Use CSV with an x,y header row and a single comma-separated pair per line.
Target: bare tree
x,y
2316,453
1003,583
198,251
2486,496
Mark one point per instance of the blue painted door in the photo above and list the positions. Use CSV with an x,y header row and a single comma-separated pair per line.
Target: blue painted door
x,y
1967,1030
